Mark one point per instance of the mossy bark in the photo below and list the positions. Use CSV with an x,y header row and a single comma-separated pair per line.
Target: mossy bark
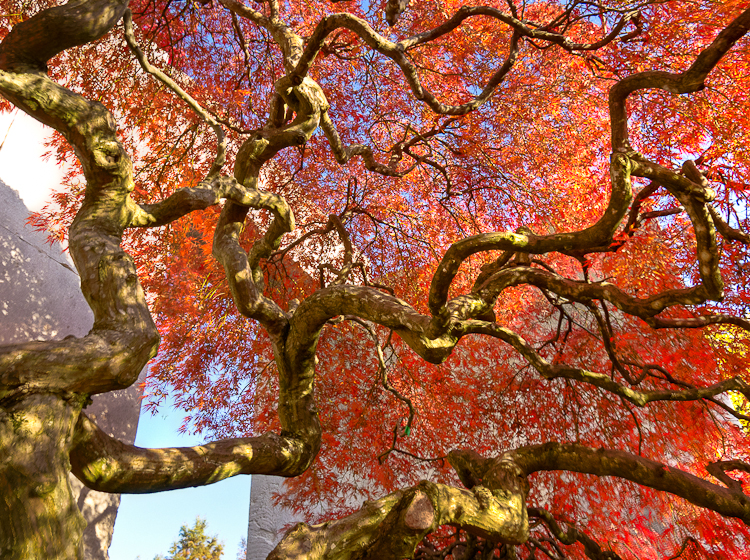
x,y
39,518
43,385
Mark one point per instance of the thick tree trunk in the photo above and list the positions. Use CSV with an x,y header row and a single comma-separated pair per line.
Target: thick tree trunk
x,y
39,518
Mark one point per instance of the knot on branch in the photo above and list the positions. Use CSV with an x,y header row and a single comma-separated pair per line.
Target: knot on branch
x,y
440,324
305,97
109,155
420,515
521,258
499,475
250,158
702,191
691,171
298,138
392,527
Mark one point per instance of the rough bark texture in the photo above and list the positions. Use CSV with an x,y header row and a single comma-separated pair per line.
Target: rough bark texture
x,y
393,526
38,513
45,384
41,299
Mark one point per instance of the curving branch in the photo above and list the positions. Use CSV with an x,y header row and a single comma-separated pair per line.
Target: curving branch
x,y
555,371
290,43
243,271
685,543
344,153
124,337
45,384
698,322
397,51
391,528
690,188
385,382
572,535
419,332
209,193
584,292
689,81
522,28
367,303
693,195
600,233
341,274
492,508
30,44
719,471
106,464
726,230
643,471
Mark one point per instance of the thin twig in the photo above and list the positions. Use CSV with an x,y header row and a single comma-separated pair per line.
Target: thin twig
x,y
221,142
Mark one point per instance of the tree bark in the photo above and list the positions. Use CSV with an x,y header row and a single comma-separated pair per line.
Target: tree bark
x,y
38,513
44,385
392,527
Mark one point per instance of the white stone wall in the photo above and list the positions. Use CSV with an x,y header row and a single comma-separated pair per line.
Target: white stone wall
x,y
40,299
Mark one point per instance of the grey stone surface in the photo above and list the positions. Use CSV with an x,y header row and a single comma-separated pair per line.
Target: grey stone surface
x,y
39,294
40,299
266,522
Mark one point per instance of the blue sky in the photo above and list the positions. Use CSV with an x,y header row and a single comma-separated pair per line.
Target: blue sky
x,y
147,524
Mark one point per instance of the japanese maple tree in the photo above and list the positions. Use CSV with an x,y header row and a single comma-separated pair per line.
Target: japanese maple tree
x,y
480,264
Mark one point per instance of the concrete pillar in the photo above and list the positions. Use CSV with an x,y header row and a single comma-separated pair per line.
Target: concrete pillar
x,y
266,521
40,299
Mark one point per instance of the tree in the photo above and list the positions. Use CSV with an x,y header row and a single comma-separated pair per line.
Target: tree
x,y
194,544
526,223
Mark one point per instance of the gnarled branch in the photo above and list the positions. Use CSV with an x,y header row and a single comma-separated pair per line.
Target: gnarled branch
x,y
690,81
643,471
124,336
106,464
391,528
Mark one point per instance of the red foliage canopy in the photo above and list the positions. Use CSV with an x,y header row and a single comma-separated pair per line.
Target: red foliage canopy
x,y
461,119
